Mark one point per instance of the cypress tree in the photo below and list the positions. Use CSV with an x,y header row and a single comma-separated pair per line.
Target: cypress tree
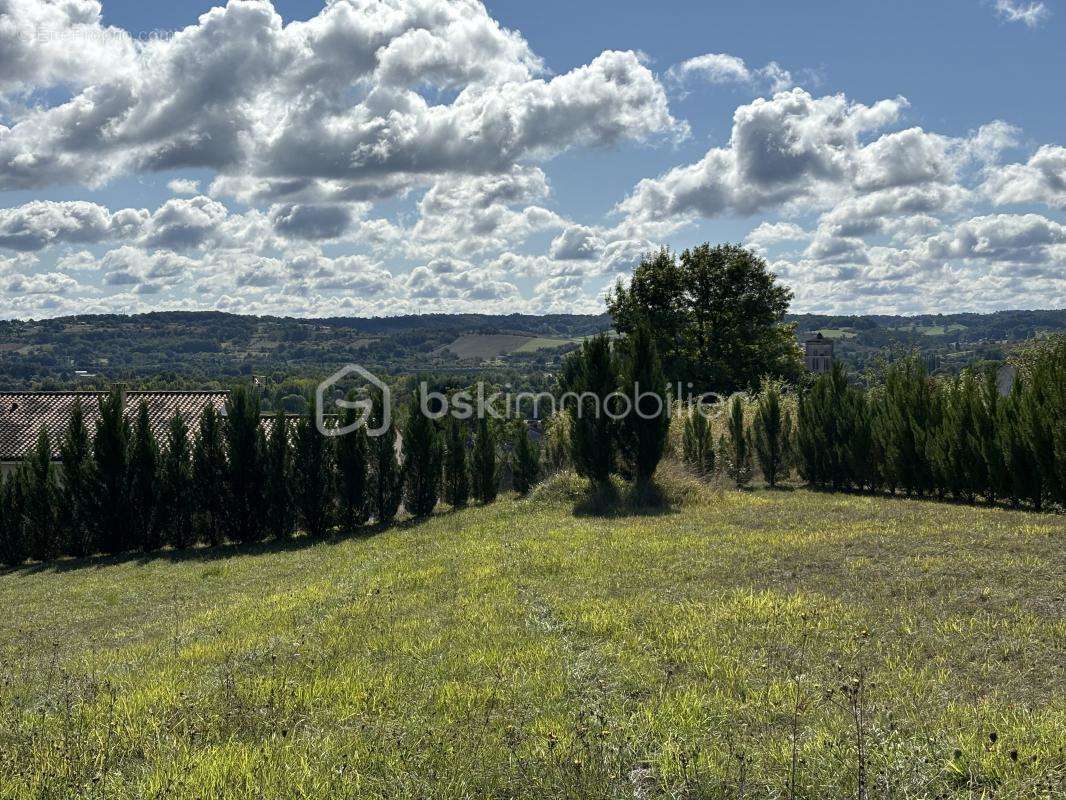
x,y
176,487
110,475
738,453
960,419
208,477
385,473
245,478
987,432
697,442
484,466
353,472
1042,415
39,501
1038,476
144,483
643,431
526,459
75,451
770,434
456,476
280,511
833,435
12,538
1021,473
860,465
421,463
592,379
313,486
905,421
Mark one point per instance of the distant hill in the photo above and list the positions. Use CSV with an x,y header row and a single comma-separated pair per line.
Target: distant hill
x,y
197,348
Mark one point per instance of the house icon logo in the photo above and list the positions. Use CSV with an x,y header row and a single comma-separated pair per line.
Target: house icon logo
x,y
365,404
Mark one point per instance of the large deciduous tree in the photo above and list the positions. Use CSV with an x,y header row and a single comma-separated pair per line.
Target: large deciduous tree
x,y
717,315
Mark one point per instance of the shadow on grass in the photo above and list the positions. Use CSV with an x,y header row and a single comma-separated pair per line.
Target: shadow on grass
x,y
884,494
205,553
608,500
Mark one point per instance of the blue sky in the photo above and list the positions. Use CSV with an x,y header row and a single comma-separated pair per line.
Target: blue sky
x,y
397,156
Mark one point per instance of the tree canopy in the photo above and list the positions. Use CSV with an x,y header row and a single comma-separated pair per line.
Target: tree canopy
x,y
717,314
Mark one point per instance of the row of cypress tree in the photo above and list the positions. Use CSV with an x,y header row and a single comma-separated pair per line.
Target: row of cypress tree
x,y
238,479
927,437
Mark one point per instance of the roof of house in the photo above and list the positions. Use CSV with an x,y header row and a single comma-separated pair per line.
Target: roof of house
x,y
23,414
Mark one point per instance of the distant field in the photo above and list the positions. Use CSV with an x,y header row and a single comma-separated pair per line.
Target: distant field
x,y
544,343
488,346
837,333
933,330
520,651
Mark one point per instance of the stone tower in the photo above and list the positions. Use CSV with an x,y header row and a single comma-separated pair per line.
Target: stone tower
x,y
819,355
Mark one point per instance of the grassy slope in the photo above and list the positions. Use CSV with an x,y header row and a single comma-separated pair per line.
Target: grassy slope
x,y
522,651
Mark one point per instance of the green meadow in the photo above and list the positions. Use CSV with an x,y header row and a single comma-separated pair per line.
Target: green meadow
x,y
743,644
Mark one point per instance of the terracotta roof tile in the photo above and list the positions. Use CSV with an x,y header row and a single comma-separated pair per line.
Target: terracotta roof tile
x,y
23,414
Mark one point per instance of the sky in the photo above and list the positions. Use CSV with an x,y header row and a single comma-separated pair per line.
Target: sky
x,y
380,157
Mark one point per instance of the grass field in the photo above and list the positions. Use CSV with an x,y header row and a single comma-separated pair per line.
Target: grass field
x,y
544,343
483,347
765,644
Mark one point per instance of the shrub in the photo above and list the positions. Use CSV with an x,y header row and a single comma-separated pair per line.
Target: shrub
x,y
697,442
738,444
557,443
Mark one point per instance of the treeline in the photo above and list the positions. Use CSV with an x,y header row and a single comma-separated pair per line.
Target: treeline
x,y
944,438
909,434
244,478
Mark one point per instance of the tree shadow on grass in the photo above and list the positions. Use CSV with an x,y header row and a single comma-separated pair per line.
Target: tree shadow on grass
x,y
206,554
609,500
